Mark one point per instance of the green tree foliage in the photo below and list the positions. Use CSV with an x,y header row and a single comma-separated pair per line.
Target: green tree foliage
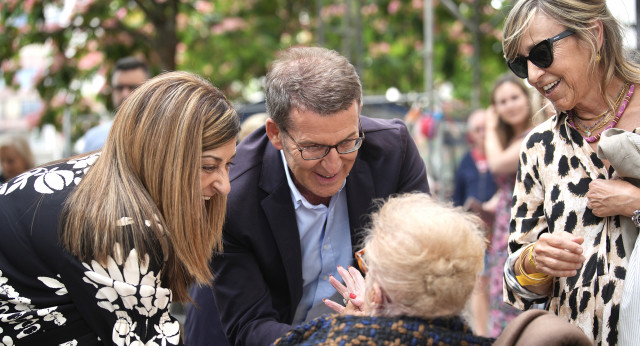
x,y
232,42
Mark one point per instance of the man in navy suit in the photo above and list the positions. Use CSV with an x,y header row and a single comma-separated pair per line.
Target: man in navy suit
x,y
301,189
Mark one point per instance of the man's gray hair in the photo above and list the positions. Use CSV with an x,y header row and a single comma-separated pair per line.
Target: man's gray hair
x,y
310,79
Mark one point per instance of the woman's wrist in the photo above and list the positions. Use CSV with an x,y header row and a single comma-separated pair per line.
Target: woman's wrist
x,y
526,268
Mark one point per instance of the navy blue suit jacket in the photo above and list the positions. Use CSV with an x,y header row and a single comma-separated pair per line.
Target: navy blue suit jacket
x,y
258,278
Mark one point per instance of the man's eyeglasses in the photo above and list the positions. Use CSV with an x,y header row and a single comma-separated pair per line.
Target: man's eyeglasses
x,y
121,87
316,152
361,264
540,55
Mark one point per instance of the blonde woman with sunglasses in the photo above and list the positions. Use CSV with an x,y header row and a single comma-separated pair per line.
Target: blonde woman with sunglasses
x,y
566,247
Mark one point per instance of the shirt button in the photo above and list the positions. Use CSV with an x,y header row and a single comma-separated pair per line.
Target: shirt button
x,y
324,247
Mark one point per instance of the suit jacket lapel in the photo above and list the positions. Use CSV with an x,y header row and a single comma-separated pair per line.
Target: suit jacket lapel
x,y
280,212
360,193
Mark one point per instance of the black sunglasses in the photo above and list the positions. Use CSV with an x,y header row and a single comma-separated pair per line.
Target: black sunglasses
x,y
540,55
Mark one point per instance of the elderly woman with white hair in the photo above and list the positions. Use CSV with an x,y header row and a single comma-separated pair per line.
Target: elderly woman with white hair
x,y
420,272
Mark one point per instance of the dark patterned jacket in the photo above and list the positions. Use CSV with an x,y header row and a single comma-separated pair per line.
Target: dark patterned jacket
x,y
368,330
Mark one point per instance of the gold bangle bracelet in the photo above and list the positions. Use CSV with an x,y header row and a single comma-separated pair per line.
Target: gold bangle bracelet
x,y
532,261
534,279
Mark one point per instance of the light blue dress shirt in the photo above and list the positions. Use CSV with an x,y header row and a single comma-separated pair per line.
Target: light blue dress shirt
x,y
325,243
95,138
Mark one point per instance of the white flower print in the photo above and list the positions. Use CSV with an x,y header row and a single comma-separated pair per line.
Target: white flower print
x,y
168,330
6,341
84,162
51,315
124,331
18,311
53,283
20,181
70,343
52,180
128,288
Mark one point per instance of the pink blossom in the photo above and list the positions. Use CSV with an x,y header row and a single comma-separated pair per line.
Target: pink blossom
x,y
9,65
82,6
394,6
203,6
368,10
333,11
378,49
125,39
109,23
181,47
28,5
229,24
90,60
456,31
182,21
465,49
58,62
121,13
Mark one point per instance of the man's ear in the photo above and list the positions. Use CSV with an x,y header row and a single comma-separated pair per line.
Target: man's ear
x,y
273,132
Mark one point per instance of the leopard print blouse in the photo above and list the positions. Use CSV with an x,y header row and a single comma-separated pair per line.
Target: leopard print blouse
x,y
556,167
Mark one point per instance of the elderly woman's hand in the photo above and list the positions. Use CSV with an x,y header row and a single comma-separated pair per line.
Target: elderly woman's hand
x,y
558,254
612,197
353,292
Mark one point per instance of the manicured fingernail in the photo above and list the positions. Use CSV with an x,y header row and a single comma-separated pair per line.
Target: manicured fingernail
x,y
330,275
339,266
352,295
324,299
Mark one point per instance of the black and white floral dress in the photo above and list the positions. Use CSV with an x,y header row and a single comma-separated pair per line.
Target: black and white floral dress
x,y
556,167
49,297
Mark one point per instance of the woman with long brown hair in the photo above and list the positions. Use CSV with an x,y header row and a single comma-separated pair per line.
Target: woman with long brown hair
x,y
95,248
509,119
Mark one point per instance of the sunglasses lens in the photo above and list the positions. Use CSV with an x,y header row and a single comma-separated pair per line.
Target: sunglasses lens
x,y
541,54
519,67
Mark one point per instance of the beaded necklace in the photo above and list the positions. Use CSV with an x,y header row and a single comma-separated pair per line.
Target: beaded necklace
x,y
589,129
623,106
602,119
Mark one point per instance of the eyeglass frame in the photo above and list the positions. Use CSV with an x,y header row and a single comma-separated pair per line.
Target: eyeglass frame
x,y
361,263
329,147
548,43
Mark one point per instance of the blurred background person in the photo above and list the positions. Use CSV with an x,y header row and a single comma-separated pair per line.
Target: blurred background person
x,y
251,123
473,186
509,119
420,268
542,108
15,156
95,248
128,74
567,248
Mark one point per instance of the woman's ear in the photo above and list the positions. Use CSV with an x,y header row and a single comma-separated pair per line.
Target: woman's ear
x,y
598,29
273,132
376,296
